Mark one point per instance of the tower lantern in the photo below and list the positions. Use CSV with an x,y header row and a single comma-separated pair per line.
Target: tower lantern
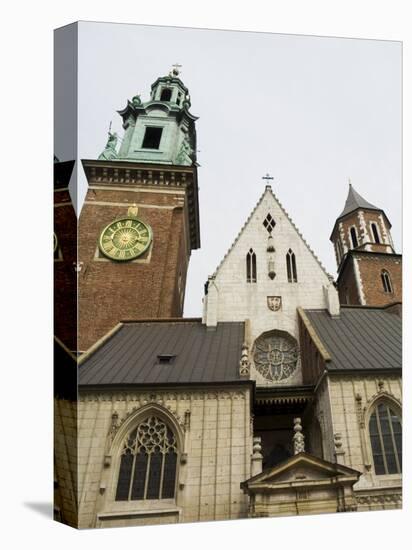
x,y
160,130
140,219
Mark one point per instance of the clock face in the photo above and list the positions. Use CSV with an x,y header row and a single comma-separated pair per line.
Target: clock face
x,y
125,239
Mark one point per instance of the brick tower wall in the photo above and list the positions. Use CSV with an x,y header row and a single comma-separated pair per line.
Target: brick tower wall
x,y
147,287
65,257
370,268
360,281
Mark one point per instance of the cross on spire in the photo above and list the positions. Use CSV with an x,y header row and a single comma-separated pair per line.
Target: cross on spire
x,y
267,178
175,69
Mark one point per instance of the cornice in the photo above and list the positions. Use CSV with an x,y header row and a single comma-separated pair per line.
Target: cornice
x,y
131,174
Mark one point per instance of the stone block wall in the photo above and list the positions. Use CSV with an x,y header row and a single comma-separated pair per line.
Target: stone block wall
x,y
232,298
65,461
352,400
215,431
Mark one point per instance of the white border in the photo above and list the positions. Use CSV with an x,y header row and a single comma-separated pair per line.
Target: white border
x,y
27,267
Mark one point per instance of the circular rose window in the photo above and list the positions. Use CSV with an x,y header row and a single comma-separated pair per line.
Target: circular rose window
x,y
276,355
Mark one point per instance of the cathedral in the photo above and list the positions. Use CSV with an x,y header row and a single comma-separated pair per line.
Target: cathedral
x,y
284,398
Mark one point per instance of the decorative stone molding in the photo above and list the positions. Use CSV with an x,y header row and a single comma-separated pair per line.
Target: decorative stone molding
x,y
144,398
380,394
257,457
271,268
364,235
339,452
342,238
187,420
391,498
244,364
298,438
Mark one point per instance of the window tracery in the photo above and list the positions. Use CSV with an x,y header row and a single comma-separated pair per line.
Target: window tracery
x,y
148,462
269,223
276,355
385,433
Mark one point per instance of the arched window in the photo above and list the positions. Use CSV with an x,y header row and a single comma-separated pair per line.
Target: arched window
x,y
386,281
385,432
354,237
251,267
166,94
375,233
291,267
148,462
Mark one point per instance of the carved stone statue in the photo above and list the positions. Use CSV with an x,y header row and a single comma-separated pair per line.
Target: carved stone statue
x,y
110,152
184,157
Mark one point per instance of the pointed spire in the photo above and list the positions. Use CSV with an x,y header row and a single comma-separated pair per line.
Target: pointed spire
x,y
355,201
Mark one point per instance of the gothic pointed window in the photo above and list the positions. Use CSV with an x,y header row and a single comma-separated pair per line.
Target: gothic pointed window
x,y
269,223
386,281
251,267
148,462
375,233
385,432
354,237
291,267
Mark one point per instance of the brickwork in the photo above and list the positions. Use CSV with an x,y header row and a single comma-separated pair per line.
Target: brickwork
x,y
147,287
65,278
370,270
362,221
348,287
216,440
360,267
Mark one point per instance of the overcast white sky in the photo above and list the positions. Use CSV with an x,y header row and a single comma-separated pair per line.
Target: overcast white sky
x,y
310,111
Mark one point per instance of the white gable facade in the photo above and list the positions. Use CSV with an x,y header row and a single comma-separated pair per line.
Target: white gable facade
x,y
270,302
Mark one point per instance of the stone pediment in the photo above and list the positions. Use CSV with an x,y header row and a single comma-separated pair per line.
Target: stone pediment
x,y
301,469
302,484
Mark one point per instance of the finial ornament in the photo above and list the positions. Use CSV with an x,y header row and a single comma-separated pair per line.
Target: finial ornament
x,y
267,177
244,363
350,182
175,70
298,438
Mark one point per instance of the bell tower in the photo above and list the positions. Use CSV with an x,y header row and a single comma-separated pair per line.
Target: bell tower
x,y
369,269
140,219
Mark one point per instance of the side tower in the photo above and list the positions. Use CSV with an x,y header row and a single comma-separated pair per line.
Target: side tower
x,y
140,219
369,270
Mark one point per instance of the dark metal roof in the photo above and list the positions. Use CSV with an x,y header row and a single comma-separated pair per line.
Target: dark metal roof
x,y
360,338
355,201
198,354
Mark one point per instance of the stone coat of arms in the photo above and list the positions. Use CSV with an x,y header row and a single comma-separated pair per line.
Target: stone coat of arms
x,y
274,302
